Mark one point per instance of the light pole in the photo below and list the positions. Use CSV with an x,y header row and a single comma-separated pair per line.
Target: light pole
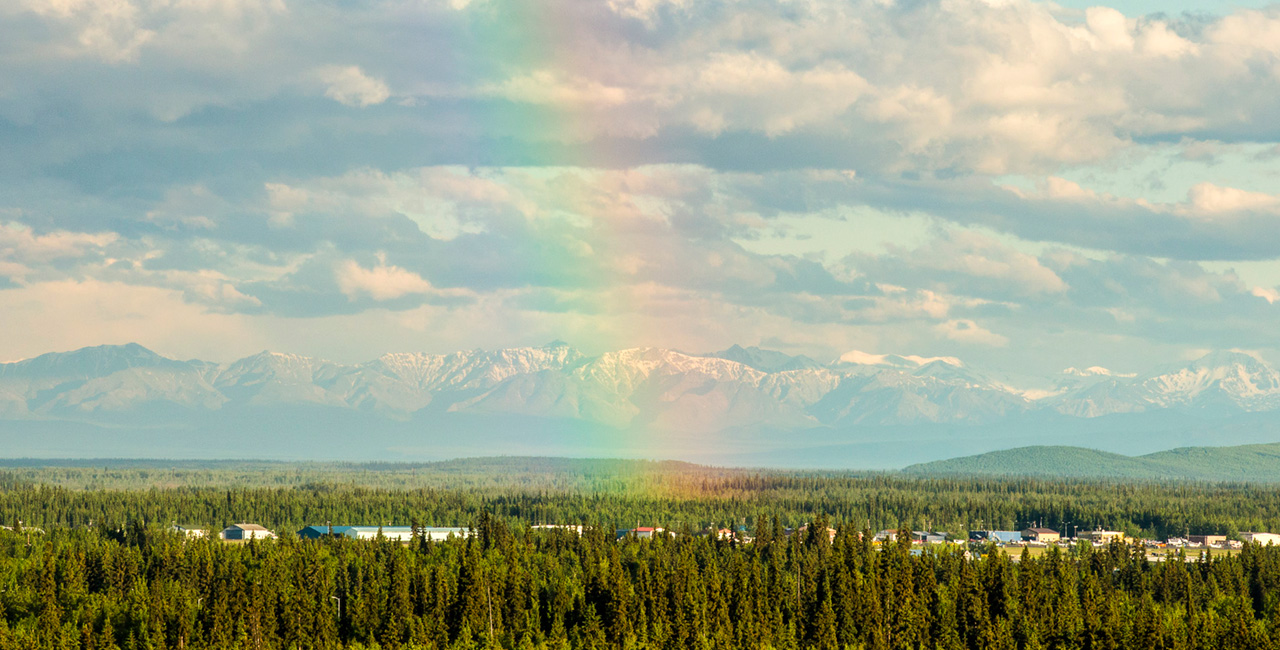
x,y
339,605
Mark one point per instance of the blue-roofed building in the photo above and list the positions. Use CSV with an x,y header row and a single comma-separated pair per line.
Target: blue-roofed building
x,y
395,533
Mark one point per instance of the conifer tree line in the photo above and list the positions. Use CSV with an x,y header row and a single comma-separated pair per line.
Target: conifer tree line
x,y
89,568
513,587
696,498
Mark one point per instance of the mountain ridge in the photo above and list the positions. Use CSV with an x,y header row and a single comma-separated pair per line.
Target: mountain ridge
x,y
1242,463
740,403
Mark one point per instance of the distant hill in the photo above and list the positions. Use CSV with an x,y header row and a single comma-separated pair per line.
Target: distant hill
x,y
1247,463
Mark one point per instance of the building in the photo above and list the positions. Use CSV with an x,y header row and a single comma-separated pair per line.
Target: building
x,y
926,537
190,532
997,536
246,531
1207,540
1100,536
1042,535
1261,538
549,527
642,532
392,533
886,535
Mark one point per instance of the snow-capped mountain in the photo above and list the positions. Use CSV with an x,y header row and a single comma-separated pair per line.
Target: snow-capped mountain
x,y
1224,379
1221,382
664,388
750,391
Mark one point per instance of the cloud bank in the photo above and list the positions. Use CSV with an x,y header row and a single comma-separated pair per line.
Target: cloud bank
x,y
1014,181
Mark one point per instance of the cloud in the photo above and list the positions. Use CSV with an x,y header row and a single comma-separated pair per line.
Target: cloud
x,y
967,331
350,85
962,85
1209,199
1270,294
551,87
55,314
651,173
20,242
109,30
966,261
381,282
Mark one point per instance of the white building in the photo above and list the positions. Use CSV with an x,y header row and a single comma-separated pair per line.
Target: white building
x,y
246,531
392,533
1261,538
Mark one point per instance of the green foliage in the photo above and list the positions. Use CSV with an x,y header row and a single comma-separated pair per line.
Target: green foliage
x,y
1245,464
106,573
614,493
540,590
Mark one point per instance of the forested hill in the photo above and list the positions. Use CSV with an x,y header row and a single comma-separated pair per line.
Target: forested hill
x,y
1247,463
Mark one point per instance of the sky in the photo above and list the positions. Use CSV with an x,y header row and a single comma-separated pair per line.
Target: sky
x,y
1023,185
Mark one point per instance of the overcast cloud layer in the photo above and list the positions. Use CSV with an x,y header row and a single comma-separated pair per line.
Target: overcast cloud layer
x,y
1018,184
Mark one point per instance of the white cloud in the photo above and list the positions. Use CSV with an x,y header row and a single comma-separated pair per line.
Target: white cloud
x,y
644,9
866,358
1268,294
922,98
1210,199
19,242
381,282
350,85
962,85
1110,29
109,30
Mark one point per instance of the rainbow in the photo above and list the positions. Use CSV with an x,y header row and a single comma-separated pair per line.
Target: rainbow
x,y
533,55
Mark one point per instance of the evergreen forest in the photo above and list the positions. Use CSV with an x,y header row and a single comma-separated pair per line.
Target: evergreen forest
x,y
83,566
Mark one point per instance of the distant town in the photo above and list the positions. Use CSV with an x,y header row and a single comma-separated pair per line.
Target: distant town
x,y
1031,538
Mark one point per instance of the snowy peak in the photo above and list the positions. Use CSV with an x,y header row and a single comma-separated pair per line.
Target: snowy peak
x,y
271,366
1223,378
765,360
1094,371
740,387
88,362
859,358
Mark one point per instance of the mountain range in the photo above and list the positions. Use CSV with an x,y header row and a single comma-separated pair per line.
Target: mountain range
x,y
736,406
